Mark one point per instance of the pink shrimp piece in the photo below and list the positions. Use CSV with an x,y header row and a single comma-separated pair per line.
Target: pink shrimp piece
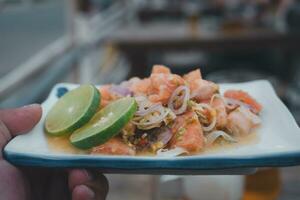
x,y
114,146
139,86
163,84
200,89
241,121
160,69
245,98
220,107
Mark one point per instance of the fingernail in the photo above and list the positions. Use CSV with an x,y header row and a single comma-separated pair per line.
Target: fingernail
x,y
90,193
31,105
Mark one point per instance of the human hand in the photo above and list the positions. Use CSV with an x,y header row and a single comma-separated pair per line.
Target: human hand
x,y
41,183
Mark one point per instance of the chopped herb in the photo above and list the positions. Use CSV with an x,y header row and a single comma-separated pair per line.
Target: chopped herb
x,y
157,145
180,133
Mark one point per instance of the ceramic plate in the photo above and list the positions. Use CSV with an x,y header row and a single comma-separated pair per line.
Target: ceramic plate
x,y
276,144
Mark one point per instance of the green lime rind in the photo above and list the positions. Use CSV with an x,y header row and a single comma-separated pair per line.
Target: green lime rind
x,y
84,100
106,123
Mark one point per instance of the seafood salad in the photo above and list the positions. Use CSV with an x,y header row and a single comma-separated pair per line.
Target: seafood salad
x,y
171,115
183,112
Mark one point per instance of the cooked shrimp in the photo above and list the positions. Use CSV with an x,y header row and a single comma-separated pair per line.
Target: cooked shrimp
x,y
219,105
187,133
139,86
160,69
200,89
114,146
162,84
241,121
245,98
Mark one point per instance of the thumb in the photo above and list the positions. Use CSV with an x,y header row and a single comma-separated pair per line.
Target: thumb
x,y
21,120
17,121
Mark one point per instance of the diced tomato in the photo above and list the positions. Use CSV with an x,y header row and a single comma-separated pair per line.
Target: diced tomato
x,y
159,87
220,107
187,133
160,69
245,98
140,86
193,75
200,89
114,146
163,85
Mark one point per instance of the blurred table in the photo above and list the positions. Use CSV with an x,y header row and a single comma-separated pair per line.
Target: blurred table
x,y
136,42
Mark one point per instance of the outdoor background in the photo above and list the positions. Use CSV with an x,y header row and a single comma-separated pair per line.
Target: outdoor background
x,y
44,42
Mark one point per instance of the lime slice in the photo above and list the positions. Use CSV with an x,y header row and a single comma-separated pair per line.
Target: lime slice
x,y
72,110
107,123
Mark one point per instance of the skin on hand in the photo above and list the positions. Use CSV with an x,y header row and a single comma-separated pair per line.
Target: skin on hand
x,y
35,183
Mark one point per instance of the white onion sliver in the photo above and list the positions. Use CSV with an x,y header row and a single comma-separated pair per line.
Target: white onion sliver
x,y
211,137
140,98
236,102
216,96
171,153
175,94
204,106
211,126
157,120
152,108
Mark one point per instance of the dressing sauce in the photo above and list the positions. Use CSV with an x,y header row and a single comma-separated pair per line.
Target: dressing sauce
x,y
62,145
250,139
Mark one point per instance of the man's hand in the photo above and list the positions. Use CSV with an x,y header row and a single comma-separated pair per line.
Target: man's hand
x,y
38,183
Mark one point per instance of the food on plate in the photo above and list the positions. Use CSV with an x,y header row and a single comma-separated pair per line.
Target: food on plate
x,y
163,114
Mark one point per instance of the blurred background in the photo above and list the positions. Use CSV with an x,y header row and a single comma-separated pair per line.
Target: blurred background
x,y
43,42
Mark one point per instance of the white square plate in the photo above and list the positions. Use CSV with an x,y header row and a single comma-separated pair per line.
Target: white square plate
x,y
277,145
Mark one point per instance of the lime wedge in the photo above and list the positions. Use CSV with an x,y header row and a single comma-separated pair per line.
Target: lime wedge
x,y
72,110
107,123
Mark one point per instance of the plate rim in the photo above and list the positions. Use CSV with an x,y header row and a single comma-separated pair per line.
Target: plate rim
x,y
282,159
271,159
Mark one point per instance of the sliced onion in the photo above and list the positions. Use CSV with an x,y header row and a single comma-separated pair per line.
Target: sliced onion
x,y
153,121
175,96
204,106
251,116
144,106
171,152
230,102
211,126
215,96
152,108
201,107
213,136
165,135
119,90
140,99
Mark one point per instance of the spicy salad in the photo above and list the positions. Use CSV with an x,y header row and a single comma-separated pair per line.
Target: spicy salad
x,y
162,114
